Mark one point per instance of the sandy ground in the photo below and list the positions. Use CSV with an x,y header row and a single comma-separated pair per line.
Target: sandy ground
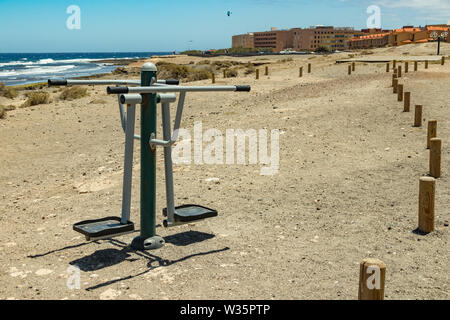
x,y
346,189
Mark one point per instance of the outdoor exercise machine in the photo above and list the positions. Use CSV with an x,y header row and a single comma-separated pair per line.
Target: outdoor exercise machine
x,y
147,92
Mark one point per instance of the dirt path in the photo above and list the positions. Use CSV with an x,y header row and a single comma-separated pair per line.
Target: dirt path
x,y
346,189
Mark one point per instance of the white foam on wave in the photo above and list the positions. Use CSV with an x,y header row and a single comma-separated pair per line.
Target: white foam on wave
x,y
34,71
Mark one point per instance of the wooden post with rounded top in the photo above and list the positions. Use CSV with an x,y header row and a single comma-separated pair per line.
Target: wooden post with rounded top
x,y
435,157
395,85
387,67
406,67
394,64
309,67
426,64
353,66
415,65
224,73
349,69
257,74
418,116
427,190
442,60
399,71
407,102
213,77
400,93
266,73
372,276
300,72
432,131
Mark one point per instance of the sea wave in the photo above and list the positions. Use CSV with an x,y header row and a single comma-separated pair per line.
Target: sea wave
x,y
62,61
38,70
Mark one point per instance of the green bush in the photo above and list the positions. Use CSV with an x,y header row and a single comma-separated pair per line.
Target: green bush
x,y
73,93
35,98
7,92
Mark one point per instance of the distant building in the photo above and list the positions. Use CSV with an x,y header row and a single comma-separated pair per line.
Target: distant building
x,y
332,39
399,37
275,40
368,41
243,41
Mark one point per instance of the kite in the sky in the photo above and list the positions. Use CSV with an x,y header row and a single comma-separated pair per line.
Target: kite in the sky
x,y
229,13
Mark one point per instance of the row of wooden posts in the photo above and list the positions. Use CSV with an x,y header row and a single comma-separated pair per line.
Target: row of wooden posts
x,y
373,271
427,185
266,73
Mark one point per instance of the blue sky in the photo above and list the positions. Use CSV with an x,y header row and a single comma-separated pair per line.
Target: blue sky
x,y
149,25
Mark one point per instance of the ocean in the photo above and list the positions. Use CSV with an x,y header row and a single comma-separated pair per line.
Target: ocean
x,y
23,68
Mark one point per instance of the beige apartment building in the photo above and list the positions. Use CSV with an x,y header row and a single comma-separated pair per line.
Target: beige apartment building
x,y
297,39
243,41
276,40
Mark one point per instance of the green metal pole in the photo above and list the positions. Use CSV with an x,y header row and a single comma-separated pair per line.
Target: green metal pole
x,y
148,163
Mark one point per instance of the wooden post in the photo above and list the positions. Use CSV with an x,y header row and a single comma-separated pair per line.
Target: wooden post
x,y
432,131
418,116
442,60
224,73
349,69
400,93
387,67
435,157
372,276
394,64
406,67
415,65
399,71
394,77
266,73
309,67
426,64
257,74
300,72
395,85
213,77
353,66
407,102
427,190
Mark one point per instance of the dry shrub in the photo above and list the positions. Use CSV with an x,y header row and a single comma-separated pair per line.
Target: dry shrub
x,y
231,73
168,70
7,92
35,98
220,64
73,93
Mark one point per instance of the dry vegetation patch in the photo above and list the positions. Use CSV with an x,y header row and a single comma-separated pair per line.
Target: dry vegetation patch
x,y
73,93
35,98
8,92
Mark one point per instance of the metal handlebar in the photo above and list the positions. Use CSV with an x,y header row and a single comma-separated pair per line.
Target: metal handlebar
x,y
156,89
69,82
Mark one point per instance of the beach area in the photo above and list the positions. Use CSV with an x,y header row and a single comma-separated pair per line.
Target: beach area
x,y
346,187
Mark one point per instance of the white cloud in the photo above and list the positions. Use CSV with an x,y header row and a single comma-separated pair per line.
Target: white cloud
x,y
437,10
